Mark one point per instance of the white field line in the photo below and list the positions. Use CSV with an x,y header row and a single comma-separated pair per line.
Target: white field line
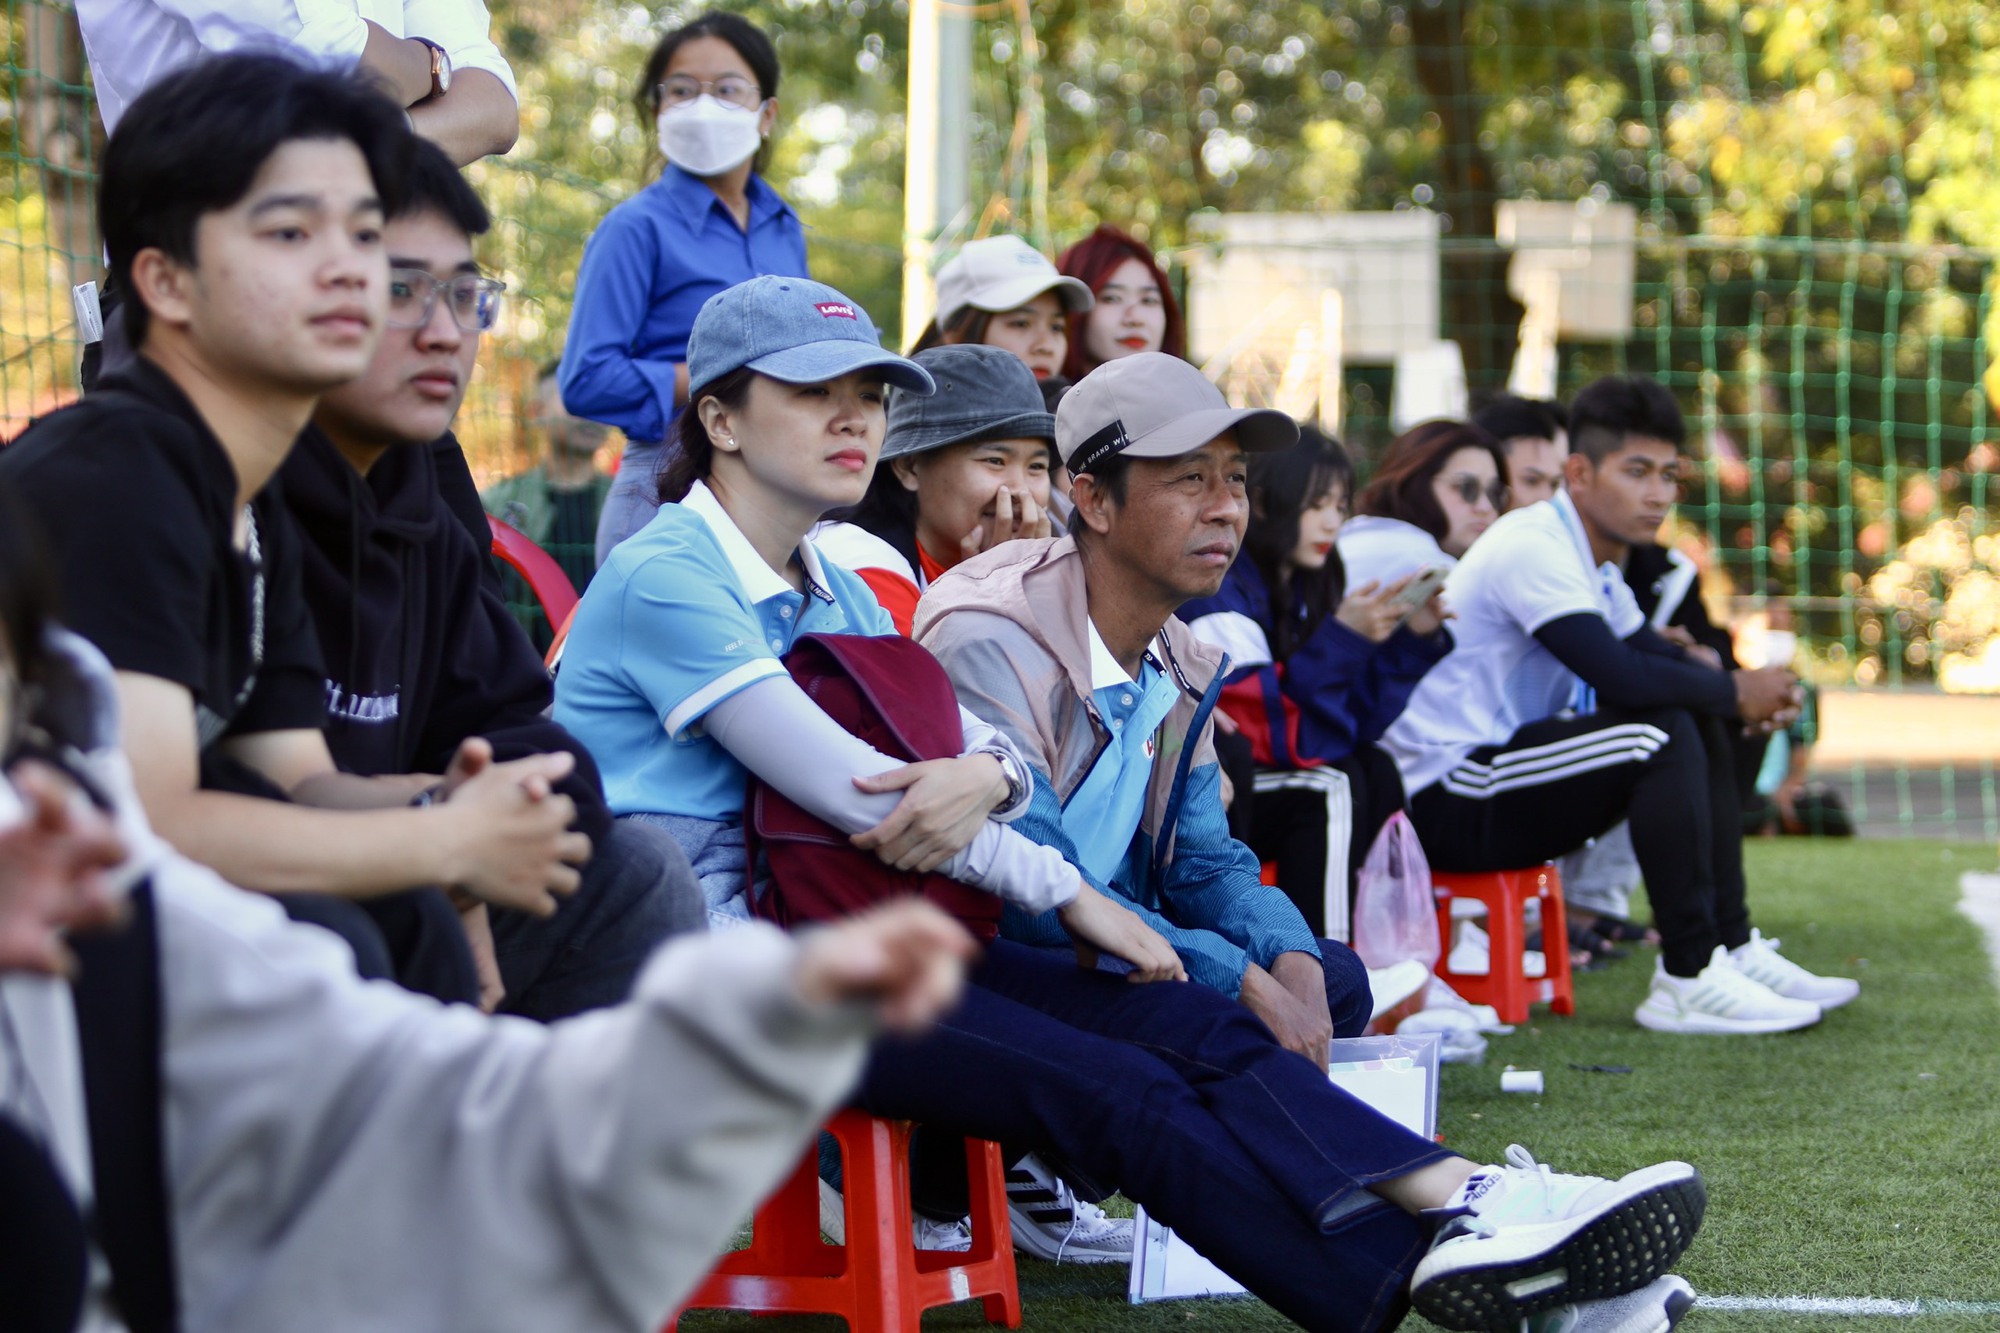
x,y
1847,1305
1980,903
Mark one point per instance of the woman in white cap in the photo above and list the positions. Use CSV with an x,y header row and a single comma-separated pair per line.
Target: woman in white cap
x,y
962,471
1176,1093
1001,292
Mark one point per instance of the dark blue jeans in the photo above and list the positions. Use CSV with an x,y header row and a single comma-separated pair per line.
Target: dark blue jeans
x,y
637,890
1178,1094
1348,998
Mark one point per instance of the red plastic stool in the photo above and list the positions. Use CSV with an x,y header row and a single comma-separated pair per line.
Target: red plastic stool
x,y
879,1282
1505,985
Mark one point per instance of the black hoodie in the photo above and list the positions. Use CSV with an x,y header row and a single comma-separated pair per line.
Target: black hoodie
x,y
420,652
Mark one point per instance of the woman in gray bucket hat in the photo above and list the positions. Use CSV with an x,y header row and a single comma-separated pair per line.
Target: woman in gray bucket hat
x,y
962,470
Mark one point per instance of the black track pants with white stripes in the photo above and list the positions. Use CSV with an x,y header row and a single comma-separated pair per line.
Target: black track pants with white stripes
x,y
1559,782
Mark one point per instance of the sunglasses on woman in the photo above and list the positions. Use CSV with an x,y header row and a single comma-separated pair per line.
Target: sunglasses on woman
x,y
1470,488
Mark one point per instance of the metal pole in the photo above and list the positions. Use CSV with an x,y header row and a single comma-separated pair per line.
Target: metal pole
x,y
935,186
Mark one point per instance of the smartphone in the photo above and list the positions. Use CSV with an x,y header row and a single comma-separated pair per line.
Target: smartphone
x,y
1421,588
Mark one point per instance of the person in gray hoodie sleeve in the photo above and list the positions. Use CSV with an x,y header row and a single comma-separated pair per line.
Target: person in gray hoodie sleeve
x,y
353,1155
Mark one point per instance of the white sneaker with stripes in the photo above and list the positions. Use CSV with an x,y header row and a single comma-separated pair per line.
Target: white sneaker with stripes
x,y
1520,1240
1720,1001
1051,1223
1760,961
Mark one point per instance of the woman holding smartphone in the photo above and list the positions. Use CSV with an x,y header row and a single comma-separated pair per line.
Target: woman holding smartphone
x,y
1436,491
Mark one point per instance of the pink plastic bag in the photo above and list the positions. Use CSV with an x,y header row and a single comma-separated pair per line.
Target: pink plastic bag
x,y
1395,914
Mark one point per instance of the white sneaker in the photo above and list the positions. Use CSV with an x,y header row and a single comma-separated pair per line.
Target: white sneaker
x,y
1720,1001
1520,1239
1653,1308
1760,961
954,1237
1390,986
1472,955
1051,1223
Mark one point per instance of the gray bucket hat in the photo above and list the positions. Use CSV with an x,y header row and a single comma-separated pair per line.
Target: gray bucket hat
x,y
792,329
1151,405
983,393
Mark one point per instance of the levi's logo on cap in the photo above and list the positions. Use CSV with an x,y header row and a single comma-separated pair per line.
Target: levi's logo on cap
x,y
834,310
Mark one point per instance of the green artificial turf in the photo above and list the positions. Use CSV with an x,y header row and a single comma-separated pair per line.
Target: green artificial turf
x,y
1855,1159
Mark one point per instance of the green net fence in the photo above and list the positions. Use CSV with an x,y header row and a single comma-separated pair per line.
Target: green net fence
x,y
1810,196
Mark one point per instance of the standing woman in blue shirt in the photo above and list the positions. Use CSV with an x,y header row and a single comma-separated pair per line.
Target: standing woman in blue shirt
x,y
707,223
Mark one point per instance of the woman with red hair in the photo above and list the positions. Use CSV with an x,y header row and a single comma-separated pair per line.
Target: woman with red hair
x,y
1135,310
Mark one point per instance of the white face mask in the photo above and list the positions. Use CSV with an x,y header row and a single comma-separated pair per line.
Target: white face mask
x,y
706,137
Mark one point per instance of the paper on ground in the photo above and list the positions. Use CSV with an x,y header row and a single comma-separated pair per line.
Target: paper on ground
x,y
1395,1075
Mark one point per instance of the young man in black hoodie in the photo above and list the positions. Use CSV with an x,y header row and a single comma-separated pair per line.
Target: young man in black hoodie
x,y
421,656
243,215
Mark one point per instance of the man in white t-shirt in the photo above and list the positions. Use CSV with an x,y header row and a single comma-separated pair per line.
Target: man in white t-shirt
x,y
435,57
1560,713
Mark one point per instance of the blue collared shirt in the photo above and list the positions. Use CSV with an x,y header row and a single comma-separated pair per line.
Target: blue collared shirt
x,y
682,616
1102,815
646,271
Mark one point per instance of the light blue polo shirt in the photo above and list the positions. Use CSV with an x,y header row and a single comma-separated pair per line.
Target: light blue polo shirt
x,y
1102,815
683,615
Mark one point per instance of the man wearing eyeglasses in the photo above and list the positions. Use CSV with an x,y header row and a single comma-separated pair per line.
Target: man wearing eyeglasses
x,y
425,667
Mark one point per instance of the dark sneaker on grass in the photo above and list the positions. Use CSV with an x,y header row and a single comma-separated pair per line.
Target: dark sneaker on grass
x,y
1654,1308
1051,1223
1521,1239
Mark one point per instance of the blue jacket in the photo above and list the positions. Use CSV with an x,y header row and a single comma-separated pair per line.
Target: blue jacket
x,y
1010,627
646,271
1336,692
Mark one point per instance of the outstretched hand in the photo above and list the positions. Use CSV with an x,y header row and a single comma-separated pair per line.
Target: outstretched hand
x,y
55,850
905,958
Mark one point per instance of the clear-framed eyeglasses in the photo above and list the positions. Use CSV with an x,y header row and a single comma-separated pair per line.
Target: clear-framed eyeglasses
x,y
731,90
474,301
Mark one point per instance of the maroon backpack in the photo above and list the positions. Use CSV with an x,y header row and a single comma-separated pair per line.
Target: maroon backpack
x,y
892,694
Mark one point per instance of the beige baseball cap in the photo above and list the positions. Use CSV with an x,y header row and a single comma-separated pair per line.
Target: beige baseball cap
x,y
1003,273
1151,405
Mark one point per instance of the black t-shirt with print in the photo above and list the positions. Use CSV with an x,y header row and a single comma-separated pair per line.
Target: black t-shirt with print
x,y
138,502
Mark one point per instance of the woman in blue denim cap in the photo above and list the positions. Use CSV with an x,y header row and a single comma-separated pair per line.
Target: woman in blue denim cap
x,y
710,87
1176,1094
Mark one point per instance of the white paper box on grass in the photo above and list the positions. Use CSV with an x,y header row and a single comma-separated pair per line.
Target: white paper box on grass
x,y
1396,1075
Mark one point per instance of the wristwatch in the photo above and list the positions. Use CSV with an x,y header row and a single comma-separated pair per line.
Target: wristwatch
x,y
440,68
1012,769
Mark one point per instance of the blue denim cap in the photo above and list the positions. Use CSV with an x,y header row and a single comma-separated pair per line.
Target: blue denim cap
x,y
792,329
983,393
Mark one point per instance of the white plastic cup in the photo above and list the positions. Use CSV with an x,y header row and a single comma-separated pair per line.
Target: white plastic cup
x,y
1521,1080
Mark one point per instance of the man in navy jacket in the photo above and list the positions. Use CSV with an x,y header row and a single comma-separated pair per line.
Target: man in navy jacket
x,y
421,656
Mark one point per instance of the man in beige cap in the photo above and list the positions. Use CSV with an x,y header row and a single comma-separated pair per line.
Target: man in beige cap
x,y
1071,647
